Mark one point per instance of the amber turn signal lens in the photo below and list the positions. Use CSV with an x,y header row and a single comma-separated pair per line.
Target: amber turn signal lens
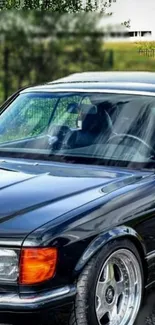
x,y
37,265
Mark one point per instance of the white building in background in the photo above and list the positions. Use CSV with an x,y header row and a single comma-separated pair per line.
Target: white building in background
x,y
114,31
142,26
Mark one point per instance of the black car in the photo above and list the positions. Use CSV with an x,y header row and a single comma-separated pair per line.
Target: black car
x,y
77,200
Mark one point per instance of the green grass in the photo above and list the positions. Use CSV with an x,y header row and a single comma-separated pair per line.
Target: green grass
x,y
126,56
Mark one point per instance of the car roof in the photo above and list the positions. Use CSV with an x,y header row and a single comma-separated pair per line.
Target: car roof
x,y
102,77
128,82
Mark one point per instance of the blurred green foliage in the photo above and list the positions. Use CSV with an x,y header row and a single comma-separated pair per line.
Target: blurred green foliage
x,y
60,6
37,46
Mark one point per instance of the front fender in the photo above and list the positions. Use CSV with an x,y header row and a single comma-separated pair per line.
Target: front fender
x,y
104,238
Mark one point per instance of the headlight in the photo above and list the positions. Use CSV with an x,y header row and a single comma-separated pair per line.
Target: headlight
x,y
8,265
28,266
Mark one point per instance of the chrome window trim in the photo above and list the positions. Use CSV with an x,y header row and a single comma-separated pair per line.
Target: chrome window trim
x,y
104,91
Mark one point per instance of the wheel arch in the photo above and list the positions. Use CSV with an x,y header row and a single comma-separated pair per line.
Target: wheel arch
x,y
118,233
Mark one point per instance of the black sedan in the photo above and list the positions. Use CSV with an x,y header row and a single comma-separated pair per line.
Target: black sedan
x,y
77,200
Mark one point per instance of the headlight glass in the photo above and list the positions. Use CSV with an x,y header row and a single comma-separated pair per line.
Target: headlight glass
x,y
9,270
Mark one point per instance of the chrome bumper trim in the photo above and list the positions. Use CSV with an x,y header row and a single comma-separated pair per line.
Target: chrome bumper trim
x,y
15,302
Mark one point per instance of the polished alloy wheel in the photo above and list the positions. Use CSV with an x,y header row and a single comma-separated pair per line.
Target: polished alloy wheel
x,y
119,289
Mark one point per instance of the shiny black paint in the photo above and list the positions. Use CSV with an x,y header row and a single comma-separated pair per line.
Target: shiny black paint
x,y
75,208
28,194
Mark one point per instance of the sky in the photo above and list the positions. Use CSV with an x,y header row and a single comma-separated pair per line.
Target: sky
x,y
141,13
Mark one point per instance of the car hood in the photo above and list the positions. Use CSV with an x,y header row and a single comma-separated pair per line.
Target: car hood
x,y
30,199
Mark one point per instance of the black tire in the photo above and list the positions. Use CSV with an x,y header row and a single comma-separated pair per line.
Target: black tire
x,y
83,312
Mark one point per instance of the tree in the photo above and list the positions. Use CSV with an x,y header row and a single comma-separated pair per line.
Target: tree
x,y
127,23
69,43
16,33
60,6
37,46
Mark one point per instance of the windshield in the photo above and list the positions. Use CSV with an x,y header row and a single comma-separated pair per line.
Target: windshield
x,y
98,128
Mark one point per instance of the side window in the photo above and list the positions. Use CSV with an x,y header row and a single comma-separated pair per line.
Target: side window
x,y
63,116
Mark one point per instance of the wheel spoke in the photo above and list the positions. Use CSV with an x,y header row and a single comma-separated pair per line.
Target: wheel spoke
x,y
113,314
101,311
100,290
120,287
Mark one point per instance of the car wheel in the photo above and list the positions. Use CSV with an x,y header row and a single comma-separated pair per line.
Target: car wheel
x,y
110,288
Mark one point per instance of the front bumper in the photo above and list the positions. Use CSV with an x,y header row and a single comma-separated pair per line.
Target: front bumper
x,y
35,309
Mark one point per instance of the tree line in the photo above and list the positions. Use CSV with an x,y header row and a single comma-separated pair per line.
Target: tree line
x,y
60,6
40,46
